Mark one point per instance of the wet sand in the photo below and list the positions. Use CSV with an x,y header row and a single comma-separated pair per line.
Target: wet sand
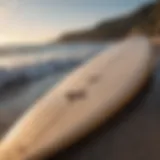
x,y
131,134
14,102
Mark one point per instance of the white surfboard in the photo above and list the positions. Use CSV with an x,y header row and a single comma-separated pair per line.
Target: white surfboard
x,y
87,97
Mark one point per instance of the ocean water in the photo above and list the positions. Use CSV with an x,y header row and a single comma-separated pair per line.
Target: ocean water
x,y
19,66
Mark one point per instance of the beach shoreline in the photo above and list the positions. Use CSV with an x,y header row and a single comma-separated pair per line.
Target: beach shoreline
x,y
12,102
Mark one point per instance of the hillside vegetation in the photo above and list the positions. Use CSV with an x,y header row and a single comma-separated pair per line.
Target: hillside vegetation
x,y
144,20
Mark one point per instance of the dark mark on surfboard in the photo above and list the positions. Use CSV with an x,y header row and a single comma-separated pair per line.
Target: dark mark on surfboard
x,y
76,95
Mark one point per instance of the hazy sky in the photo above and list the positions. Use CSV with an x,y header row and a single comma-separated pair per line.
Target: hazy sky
x,y
37,21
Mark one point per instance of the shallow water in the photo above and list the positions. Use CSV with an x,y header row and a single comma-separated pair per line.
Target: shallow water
x,y
17,66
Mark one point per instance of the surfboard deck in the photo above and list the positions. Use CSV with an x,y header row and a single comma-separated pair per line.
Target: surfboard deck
x,y
87,97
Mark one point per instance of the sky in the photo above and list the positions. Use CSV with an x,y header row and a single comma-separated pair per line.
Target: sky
x,y
38,21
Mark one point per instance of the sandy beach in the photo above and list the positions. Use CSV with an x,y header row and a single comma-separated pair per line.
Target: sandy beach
x,y
132,134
